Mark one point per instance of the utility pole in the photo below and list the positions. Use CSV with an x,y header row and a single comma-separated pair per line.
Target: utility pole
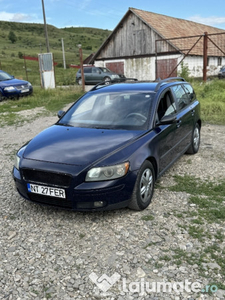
x,y
64,60
81,66
205,56
45,25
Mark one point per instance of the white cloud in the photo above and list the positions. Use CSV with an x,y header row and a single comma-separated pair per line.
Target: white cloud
x,y
211,21
19,17
83,4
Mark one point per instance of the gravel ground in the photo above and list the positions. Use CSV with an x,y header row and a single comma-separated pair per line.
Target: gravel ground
x,y
47,253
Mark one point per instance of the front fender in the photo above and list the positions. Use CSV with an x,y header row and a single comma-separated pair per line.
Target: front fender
x,y
136,152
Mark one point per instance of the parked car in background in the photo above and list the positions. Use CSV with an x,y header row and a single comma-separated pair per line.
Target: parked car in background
x,y
94,75
110,147
10,87
221,73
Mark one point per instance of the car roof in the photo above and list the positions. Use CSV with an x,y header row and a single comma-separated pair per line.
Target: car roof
x,y
134,85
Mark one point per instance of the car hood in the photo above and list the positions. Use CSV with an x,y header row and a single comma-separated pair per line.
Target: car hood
x,y
12,82
76,146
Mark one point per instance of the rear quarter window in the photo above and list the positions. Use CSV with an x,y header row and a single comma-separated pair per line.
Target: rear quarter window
x,y
183,99
190,92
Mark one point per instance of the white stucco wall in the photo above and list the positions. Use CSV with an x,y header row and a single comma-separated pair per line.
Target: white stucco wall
x,y
144,68
140,68
195,65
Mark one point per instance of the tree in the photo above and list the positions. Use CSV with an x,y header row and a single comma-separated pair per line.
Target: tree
x,y
12,37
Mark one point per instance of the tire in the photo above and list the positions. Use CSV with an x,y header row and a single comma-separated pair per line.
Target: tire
x,y
1,97
195,140
79,81
107,80
144,187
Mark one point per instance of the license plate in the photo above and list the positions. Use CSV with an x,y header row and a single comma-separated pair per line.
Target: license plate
x,y
25,91
46,190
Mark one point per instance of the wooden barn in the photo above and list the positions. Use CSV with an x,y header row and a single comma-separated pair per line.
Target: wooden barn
x,y
147,45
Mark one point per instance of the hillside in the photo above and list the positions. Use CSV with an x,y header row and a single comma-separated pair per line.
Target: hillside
x,y
30,40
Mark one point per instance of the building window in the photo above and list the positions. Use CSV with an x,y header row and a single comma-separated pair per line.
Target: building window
x,y
219,62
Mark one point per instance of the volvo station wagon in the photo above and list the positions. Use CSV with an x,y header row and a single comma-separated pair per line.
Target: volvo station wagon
x,y
108,149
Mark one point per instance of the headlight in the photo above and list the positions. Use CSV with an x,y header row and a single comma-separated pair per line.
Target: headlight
x,y
115,76
9,89
17,162
107,173
29,84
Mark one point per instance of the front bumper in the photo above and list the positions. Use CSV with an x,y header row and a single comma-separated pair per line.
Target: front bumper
x,y
18,93
83,196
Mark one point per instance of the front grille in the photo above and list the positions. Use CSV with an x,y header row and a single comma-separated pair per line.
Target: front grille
x,y
46,200
21,87
55,179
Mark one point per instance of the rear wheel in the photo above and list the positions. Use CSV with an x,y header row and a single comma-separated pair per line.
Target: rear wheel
x,y
195,142
144,187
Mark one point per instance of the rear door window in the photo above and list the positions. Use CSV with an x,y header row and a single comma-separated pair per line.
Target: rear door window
x,y
87,70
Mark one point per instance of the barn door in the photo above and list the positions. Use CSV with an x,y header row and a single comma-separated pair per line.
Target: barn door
x,y
165,67
117,67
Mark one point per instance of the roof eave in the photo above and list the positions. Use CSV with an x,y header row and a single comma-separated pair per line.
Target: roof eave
x,y
109,37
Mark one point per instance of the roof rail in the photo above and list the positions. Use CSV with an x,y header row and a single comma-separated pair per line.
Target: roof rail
x,y
166,80
111,81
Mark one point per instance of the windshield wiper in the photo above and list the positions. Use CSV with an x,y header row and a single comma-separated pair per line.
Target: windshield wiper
x,y
66,125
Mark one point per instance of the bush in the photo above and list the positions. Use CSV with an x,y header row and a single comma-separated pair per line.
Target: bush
x,y
20,54
88,48
184,72
12,37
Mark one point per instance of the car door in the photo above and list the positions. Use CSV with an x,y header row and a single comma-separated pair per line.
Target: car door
x,y
87,75
185,116
166,136
96,75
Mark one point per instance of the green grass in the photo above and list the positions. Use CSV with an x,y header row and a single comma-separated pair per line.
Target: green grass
x,y
31,41
50,100
209,211
208,196
212,99
148,218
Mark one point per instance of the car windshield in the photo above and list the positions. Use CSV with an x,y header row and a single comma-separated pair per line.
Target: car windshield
x,y
110,111
5,76
105,70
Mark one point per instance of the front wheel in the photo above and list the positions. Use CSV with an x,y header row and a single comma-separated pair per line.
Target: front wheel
x,y
144,187
107,80
1,97
195,140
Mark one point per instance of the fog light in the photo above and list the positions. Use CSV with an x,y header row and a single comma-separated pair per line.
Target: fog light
x,y
98,203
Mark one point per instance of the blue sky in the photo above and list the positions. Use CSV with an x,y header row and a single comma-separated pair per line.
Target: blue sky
x,y
106,14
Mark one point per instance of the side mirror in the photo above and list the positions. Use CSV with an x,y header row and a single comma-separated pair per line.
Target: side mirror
x,y
99,72
166,120
61,113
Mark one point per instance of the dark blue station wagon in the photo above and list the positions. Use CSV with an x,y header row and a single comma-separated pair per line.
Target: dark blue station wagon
x,y
110,147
